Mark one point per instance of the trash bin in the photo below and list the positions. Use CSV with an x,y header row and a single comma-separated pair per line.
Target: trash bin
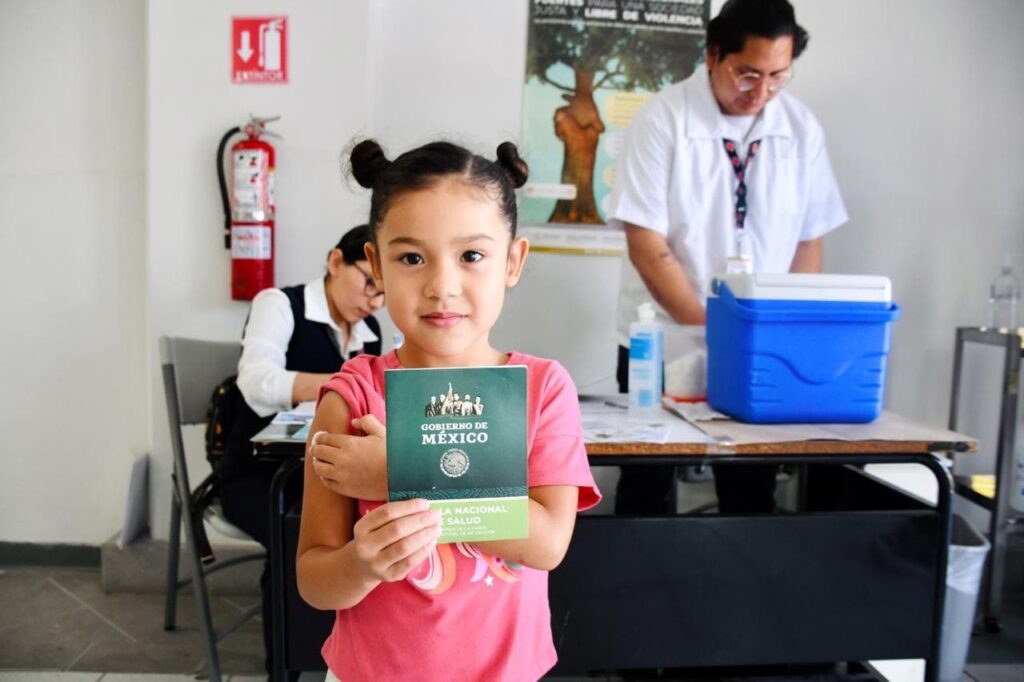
x,y
967,551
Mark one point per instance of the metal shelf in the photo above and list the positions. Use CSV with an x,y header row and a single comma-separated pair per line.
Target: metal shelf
x,y
990,336
1002,521
962,487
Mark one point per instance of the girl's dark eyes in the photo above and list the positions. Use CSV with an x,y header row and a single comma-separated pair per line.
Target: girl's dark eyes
x,y
417,259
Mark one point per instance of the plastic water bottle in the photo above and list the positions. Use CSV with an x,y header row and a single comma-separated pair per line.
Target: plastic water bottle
x,y
1003,300
646,356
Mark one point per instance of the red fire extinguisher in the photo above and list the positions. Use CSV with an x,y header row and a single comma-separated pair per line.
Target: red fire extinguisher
x,y
249,207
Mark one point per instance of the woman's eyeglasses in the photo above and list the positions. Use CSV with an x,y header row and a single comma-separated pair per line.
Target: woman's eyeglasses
x,y
745,82
370,287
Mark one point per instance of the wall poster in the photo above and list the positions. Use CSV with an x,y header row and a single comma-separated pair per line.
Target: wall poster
x,y
590,66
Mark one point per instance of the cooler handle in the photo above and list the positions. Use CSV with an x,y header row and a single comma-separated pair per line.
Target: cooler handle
x,y
887,314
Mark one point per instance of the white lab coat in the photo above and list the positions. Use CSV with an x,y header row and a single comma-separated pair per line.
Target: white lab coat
x,y
675,178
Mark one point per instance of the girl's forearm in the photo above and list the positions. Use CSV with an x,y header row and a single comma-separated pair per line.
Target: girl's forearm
x,y
546,544
329,578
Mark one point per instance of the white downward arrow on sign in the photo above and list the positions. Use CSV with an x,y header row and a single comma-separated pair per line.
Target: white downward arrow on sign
x,y
245,51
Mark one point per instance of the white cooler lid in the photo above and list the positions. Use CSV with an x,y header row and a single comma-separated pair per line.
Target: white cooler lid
x,y
806,287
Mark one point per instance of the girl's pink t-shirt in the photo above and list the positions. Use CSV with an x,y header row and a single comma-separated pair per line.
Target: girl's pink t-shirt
x,y
463,614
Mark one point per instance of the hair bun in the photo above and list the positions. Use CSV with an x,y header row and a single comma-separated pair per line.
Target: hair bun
x,y
368,162
513,164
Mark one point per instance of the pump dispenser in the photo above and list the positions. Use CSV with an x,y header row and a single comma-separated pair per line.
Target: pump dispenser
x,y
646,358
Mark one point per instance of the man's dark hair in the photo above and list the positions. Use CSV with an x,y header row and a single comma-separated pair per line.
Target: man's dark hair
x,y
352,242
740,19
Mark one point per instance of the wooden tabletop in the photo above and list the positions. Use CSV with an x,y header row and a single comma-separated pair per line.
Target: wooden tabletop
x,y
890,433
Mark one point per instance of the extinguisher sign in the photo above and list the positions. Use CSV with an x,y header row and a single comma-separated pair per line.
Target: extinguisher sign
x,y
259,51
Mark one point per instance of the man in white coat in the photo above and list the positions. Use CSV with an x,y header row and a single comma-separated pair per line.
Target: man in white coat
x,y
721,171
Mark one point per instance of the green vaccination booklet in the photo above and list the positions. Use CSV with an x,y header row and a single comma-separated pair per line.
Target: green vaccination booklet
x,y
457,437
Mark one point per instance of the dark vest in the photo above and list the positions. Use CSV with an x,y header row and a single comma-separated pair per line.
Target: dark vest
x,y
312,348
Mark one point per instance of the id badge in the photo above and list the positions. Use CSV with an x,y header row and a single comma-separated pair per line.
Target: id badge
x,y
742,260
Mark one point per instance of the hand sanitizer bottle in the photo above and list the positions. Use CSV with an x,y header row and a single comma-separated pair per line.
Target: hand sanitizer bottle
x,y
646,356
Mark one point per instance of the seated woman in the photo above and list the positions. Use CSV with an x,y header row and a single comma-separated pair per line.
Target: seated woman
x,y
294,339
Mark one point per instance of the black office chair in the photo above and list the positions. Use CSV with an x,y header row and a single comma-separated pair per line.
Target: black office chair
x,y
191,370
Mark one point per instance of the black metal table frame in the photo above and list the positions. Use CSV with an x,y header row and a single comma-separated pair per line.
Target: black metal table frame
x,y
942,510
999,506
275,557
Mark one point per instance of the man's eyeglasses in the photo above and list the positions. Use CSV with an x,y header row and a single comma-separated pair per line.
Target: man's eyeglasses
x,y
370,287
745,82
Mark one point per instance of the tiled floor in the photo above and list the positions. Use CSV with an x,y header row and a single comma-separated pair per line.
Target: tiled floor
x,y
63,620
60,625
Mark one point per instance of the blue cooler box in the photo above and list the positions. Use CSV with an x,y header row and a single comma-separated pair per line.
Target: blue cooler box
x,y
798,347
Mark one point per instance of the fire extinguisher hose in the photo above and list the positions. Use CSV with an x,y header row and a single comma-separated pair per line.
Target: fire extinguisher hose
x,y
224,185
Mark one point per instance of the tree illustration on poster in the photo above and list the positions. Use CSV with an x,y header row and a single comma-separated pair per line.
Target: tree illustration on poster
x,y
585,57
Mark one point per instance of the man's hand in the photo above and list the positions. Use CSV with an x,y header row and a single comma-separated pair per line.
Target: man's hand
x,y
353,466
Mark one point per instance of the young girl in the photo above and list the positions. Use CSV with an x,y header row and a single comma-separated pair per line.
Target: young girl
x,y
444,248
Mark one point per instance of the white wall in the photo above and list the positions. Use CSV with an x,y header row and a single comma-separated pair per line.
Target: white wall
x,y
191,104
73,408
918,99
922,128
448,69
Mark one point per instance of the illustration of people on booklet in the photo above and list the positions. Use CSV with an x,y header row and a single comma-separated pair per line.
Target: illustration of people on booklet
x,y
453,404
